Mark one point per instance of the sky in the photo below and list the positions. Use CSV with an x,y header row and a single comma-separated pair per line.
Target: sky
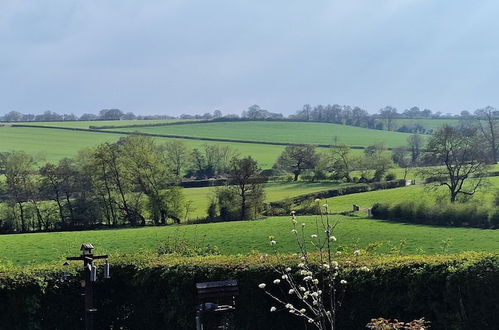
x,y
186,56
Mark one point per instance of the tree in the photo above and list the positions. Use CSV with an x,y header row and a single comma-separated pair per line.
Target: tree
x,y
378,160
341,161
463,158
176,154
415,142
401,157
110,114
19,173
146,167
297,158
244,176
488,124
388,114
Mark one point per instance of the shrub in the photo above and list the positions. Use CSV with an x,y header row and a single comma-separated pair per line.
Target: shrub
x,y
441,214
390,176
150,292
494,218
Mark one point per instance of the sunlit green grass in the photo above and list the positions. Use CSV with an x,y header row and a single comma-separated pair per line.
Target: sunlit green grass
x,y
283,132
87,124
426,123
54,144
245,236
200,197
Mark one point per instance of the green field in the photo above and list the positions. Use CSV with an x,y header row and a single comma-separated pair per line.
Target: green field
x,y
87,124
54,144
243,237
200,197
426,123
282,132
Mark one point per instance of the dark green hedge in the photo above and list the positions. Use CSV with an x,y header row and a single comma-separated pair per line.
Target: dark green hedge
x,y
456,215
354,188
453,292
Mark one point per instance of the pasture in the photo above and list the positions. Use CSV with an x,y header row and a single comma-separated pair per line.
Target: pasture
x,y
54,144
281,132
428,124
243,237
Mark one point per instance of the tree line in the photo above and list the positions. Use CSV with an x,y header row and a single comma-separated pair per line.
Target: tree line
x,y
134,181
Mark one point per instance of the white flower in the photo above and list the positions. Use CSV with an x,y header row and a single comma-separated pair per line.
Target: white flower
x,y
291,291
277,281
307,278
332,238
301,265
284,277
262,285
294,221
356,252
315,302
310,321
289,306
338,252
319,291
343,282
326,266
334,263
303,224
273,309
293,212
288,269
302,310
313,236
293,231
364,269
317,200
325,206
272,242
315,281
302,289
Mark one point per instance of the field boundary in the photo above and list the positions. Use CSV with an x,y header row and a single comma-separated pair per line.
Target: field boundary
x,y
185,137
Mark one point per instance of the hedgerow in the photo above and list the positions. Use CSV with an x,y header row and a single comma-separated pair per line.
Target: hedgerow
x,y
150,292
441,214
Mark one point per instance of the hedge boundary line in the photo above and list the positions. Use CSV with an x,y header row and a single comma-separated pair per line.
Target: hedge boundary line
x,y
457,291
340,191
185,137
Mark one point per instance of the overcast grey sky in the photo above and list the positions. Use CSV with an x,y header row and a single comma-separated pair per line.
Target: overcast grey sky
x,y
172,57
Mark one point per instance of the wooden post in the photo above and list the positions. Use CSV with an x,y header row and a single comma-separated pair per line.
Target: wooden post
x,y
88,286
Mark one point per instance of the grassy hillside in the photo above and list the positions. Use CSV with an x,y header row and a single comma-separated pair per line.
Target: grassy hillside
x,y
54,144
200,197
282,132
243,237
426,123
87,124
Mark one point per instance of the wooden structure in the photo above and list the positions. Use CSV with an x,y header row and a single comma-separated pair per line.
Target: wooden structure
x,y
217,298
90,276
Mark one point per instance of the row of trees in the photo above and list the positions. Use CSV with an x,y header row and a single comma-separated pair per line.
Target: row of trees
x,y
337,163
131,182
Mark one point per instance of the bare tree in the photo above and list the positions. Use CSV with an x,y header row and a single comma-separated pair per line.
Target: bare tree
x,y
464,161
488,124
415,142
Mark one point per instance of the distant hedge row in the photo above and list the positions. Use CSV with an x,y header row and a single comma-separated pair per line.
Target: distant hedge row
x,y
338,191
453,292
456,215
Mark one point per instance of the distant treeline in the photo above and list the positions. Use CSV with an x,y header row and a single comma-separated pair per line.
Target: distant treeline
x,y
384,119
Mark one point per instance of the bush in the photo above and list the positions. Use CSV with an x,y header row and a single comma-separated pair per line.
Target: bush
x,y
390,176
441,214
494,218
149,292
